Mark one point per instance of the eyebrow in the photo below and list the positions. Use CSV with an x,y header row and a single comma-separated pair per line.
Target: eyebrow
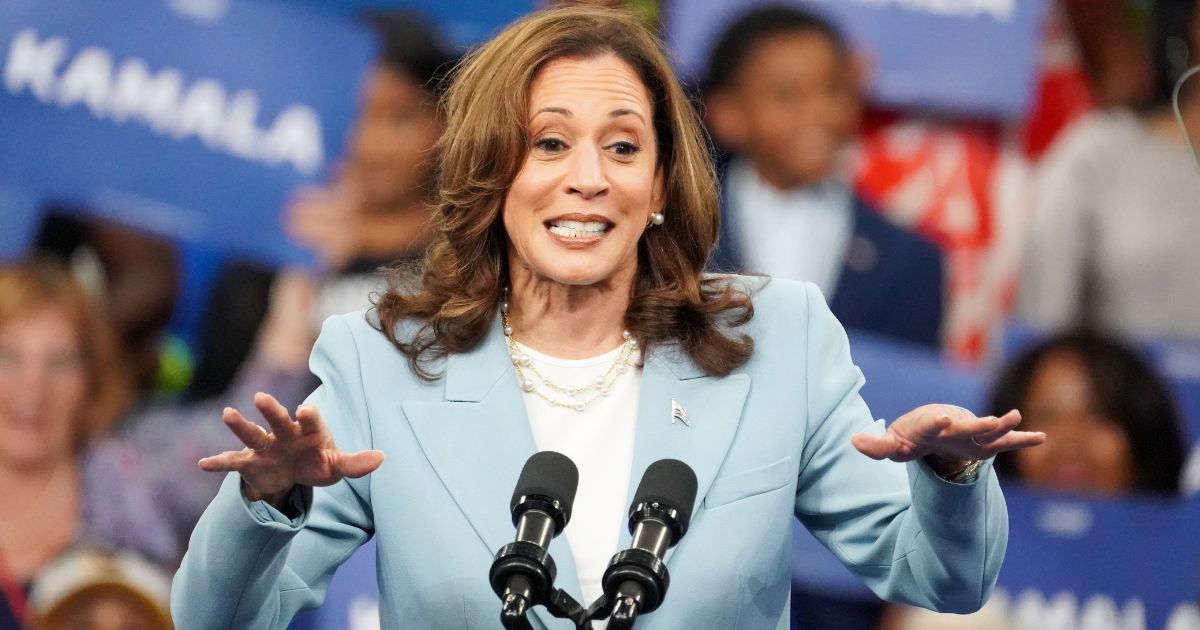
x,y
616,113
555,110
624,112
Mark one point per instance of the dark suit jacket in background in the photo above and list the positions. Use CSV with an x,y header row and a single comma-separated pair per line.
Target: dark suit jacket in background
x,y
891,280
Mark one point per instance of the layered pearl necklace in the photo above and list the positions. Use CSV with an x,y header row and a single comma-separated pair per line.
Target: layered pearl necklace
x,y
577,397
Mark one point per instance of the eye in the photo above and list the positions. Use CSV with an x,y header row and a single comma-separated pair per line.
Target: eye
x,y
625,149
550,145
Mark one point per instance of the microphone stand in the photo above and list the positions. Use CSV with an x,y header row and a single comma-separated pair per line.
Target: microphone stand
x,y
523,572
621,613
636,579
561,605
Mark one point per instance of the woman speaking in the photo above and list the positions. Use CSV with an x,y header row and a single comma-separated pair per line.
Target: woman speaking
x,y
563,306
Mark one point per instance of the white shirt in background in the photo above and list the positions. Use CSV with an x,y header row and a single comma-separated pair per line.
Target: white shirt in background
x,y
798,234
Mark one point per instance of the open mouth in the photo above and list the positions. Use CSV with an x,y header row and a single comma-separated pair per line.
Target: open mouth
x,y
578,229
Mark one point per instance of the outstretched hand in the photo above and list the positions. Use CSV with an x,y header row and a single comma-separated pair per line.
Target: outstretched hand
x,y
295,452
948,433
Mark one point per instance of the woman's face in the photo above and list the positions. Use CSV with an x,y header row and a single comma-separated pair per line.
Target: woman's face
x,y
43,382
590,181
388,157
1086,450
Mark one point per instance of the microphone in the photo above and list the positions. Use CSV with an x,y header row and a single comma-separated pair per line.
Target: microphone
x,y
523,573
636,579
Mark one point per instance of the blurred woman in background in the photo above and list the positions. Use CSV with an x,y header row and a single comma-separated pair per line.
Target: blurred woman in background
x,y
67,481
1115,427
61,385
1113,430
375,211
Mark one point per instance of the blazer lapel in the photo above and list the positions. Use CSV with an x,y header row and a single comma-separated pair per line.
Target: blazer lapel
x,y
477,441
713,406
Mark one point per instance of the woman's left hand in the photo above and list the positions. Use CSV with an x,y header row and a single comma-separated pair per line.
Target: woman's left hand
x,y
949,435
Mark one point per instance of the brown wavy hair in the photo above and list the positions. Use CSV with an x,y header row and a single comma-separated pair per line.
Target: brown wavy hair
x,y
482,148
29,286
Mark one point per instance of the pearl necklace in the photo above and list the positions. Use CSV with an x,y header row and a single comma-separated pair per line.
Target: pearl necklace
x,y
530,377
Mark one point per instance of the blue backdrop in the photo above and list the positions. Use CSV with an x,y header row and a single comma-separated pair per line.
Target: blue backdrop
x,y
463,23
190,118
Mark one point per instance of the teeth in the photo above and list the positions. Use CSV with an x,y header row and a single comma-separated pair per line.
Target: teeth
x,y
578,229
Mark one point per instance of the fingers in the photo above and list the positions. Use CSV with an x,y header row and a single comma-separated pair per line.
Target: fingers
x,y
1002,437
275,414
252,435
979,430
993,428
935,426
355,465
1002,426
1016,440
325,463
224,462
972,427
308,417
952,434
874,446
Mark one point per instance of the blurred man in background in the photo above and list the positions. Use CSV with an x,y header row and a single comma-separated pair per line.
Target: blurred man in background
x,y
783,94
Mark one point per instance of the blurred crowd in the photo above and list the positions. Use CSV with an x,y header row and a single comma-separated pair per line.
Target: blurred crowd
x,y
1093,199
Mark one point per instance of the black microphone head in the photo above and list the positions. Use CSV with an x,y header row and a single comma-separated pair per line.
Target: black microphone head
x,y
546,475
671,484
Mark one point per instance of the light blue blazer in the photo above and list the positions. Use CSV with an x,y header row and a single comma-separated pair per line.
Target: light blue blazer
x,y
768,442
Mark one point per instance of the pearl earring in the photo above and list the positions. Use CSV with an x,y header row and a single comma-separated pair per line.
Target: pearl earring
x,y
657,218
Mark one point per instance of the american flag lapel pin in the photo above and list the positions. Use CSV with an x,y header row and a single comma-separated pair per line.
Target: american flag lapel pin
x,y
679,413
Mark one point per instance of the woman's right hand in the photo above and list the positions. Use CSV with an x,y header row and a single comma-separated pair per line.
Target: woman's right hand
x,y
295,452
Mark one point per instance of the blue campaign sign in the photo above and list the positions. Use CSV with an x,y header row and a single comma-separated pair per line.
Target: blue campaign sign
x,y
1090,565
189,118
977,57
464,23
19,215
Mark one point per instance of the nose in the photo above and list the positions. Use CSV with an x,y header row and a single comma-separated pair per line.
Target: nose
x,y
1070,433
30,386
586,177
366,149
